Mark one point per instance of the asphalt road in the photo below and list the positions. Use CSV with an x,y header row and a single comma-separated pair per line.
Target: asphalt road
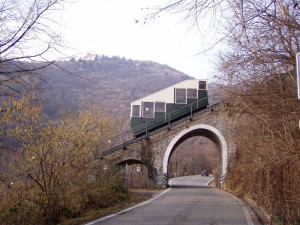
x,y
189,201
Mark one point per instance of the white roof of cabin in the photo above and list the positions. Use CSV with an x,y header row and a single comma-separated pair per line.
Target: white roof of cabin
x,y
167,94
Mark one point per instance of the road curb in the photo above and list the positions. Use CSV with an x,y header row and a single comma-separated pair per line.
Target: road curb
x,y
252,214
259,214
128,209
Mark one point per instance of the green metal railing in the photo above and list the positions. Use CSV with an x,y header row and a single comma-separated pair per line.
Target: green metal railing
x,y
169,117
123,139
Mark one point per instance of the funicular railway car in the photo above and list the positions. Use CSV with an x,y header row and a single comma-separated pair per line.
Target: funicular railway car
x,y
167,105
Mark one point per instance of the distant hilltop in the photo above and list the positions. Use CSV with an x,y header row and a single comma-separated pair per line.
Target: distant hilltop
x,y
109,83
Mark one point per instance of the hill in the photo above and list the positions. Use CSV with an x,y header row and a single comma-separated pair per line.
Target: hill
x,y
109,83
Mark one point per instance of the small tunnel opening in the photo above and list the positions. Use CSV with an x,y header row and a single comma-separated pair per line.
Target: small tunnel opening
x,y
184,149
193,156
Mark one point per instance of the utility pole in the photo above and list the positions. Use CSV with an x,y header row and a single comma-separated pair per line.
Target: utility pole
x,y
298,77
298,73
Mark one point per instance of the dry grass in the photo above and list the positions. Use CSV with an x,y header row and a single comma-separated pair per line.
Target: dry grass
x,y
136,196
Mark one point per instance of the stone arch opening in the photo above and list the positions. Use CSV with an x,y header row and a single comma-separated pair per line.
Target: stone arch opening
x,y
204,130
129,162
194,156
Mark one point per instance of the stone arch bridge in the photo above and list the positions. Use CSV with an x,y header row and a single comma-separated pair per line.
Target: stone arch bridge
x,y
155,149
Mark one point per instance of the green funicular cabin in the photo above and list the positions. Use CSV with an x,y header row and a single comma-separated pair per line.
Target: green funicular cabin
x,y
168,105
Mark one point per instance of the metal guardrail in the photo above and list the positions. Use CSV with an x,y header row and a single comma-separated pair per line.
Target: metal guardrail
x,y
169,117
126,138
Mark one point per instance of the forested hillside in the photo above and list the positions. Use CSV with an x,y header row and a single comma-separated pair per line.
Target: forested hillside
x,y
52,122
108,83
49,163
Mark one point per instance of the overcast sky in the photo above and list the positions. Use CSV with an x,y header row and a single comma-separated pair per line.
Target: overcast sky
x,y
109,27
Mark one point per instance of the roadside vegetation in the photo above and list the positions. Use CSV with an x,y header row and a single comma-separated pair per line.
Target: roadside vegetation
x,y
51,167
54,168
257,75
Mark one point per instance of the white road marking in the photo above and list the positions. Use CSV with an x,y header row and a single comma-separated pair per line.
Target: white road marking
x,y
249,221
126,210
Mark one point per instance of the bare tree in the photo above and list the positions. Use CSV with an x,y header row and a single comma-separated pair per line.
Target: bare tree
x,y
260,70
25,36
54,167
258,75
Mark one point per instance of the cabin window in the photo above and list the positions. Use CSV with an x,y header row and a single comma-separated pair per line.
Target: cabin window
x,y
160,107
202,85
180,96
135,111
192,93
148,109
